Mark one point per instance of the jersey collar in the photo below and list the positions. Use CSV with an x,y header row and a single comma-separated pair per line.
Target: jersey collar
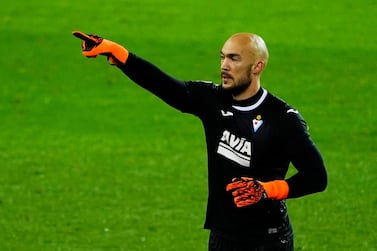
x,y
252,103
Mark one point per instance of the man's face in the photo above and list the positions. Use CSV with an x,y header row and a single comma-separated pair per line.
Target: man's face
x,y
236,65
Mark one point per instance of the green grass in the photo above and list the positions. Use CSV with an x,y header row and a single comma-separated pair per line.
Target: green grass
x,y
90,161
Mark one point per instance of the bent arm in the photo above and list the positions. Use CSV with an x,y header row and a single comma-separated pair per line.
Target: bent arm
x,y
311,176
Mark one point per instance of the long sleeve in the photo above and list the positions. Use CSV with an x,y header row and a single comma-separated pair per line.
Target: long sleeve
x,y
311,176
145,74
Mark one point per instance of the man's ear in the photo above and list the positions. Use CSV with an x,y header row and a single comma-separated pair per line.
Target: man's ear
x,y
258,67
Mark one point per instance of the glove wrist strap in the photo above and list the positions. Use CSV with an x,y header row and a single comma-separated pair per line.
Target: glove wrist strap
x,y
118,54
277,189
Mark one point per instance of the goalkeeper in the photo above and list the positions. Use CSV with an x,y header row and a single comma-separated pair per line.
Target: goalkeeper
x,y
252,137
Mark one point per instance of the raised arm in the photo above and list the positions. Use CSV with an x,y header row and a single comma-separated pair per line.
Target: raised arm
x,y
169,89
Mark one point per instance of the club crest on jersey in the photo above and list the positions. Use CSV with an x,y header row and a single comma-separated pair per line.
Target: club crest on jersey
x,y
257,122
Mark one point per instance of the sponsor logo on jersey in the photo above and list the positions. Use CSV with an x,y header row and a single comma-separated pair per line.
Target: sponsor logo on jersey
x,y
235,148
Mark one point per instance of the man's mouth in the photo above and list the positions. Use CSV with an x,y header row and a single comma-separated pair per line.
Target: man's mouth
x,y
226,76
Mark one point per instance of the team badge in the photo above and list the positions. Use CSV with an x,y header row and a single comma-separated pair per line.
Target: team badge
x,y
257,122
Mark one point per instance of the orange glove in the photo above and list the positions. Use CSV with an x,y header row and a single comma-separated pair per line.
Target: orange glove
x,y
247,191
93,45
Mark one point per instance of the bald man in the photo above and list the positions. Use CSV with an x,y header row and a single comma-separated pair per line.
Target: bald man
x,y
252,137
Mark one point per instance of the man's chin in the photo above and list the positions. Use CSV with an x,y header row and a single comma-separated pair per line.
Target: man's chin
x,y
234,89
226,85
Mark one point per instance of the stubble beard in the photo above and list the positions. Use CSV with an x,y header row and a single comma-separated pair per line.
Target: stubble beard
x,y
240,86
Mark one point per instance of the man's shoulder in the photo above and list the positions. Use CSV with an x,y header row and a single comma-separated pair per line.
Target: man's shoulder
x,y
203,84
276,103
203,88
286,113
280,106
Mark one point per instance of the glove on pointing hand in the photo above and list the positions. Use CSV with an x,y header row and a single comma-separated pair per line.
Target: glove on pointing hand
x,y
247,191
93,45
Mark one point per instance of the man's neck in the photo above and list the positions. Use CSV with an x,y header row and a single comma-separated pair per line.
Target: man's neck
x,y
249,92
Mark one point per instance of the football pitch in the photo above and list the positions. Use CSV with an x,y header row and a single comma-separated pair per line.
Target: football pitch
x,y
91,161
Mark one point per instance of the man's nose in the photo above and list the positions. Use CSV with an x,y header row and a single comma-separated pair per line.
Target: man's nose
x,y
225,64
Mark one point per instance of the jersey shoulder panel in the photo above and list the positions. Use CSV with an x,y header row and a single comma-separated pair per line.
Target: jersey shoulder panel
x,y
201,87
290,118
204,97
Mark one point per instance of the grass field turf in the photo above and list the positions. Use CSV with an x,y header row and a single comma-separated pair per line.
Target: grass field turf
x,y
89,161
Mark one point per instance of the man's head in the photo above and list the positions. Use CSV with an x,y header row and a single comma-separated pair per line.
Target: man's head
x,y
243,58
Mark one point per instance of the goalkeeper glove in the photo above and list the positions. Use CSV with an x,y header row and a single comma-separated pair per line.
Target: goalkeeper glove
x,y
93,45
247,191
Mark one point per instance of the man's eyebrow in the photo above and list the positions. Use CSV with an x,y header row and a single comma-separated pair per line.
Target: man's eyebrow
x,y
230,54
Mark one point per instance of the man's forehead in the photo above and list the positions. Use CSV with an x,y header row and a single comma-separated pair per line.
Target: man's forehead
x,y
235,47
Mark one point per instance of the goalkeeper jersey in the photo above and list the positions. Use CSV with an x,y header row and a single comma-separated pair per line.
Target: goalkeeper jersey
x,y
258,137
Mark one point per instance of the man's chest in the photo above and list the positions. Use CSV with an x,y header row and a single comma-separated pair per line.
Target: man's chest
x,y
242,134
